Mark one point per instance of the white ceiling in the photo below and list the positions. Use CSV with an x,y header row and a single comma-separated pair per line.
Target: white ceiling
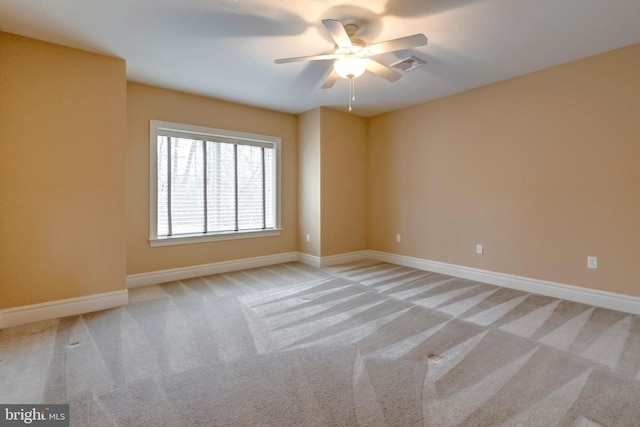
x,y
226,48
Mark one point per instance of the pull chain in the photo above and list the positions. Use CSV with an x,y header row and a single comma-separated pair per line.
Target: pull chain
x,y
352,91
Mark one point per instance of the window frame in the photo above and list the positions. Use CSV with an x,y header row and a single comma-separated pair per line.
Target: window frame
x,y
164,128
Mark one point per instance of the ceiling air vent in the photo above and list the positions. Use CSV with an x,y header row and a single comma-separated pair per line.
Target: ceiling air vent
x,y
408,64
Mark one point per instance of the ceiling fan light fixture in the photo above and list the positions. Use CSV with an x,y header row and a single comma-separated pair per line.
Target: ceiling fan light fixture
x,y
350,67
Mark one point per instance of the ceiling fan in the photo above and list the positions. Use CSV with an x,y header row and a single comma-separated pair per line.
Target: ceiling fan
x,y
353,56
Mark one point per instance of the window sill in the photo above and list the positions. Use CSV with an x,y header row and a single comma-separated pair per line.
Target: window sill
x,y
203,238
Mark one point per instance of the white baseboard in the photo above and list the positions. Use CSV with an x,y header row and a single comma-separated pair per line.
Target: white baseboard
x,y
311,260
162,276
62,308
73,306
327,261
610,300
343,258
170,275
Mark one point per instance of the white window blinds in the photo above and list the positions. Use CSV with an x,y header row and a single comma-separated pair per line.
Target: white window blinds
x,y
209,185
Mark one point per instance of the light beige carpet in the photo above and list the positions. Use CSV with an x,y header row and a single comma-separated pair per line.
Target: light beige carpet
x,y
366,343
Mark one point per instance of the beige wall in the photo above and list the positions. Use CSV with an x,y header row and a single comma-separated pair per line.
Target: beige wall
x,y
332,182
344,182
309,132
542,170
148,102
62,172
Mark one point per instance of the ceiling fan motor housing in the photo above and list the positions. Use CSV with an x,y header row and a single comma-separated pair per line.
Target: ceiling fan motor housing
x,y
351,29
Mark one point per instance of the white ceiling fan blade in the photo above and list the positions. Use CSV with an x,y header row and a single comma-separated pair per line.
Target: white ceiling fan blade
x,y
330,80
337,32
305,58
382,70
397,44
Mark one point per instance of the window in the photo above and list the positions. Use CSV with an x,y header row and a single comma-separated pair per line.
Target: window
x,y
211,184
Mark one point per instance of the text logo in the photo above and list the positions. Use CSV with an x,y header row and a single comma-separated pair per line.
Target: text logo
x,y
34,415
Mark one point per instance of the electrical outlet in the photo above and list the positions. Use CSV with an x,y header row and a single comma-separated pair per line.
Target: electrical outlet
x,y
592,262
398,238
308,237
479,249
